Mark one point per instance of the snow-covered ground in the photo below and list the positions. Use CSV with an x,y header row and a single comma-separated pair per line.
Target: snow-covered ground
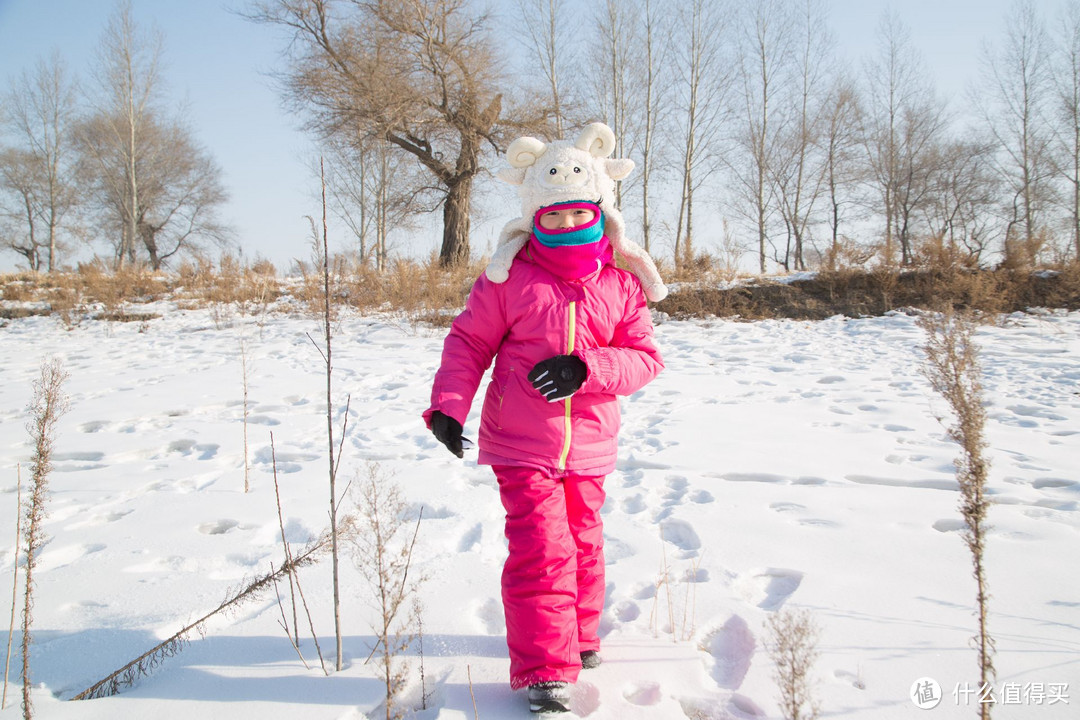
x,y
773,465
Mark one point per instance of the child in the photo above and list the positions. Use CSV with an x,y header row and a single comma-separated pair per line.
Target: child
x,y
568,332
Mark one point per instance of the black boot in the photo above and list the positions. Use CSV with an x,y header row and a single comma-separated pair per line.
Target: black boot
x,y
549,697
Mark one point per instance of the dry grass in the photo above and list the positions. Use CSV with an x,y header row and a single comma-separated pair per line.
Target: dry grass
x,y
954,371
426,293
858,292
792,644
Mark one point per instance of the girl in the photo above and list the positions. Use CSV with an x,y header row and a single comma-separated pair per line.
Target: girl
x,y
569,332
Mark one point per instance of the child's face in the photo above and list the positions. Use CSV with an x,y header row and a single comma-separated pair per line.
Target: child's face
x,y
568,218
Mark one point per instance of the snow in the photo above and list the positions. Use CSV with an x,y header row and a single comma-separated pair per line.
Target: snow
x,y
774,465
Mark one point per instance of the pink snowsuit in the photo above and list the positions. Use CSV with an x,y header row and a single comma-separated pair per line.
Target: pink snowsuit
x,y
549,458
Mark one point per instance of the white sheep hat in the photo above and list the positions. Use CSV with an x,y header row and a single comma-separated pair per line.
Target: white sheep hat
x,y
564,171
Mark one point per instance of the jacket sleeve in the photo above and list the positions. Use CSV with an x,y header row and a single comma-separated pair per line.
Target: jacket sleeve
x,y
631,358
475,336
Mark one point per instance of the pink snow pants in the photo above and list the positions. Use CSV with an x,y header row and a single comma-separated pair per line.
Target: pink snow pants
x,y
553,579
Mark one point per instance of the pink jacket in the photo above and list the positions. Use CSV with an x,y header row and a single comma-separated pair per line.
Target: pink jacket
x,y
534,315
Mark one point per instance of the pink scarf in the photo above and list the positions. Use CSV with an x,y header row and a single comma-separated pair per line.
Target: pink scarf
x,y
571,262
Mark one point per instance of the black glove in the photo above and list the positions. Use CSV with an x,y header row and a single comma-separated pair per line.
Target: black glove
x,y
559,377
447,430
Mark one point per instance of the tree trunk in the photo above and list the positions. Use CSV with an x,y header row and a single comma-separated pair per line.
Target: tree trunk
x,y
148,235
1076,218
455,244
363,157
650,122
32,252
553,72
688,244
1074,180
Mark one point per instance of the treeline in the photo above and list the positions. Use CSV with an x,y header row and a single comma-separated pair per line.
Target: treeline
x,y
747,111
102,160
739,112
753,138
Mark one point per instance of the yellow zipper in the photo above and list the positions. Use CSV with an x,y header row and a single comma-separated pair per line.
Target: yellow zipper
x,y
572,330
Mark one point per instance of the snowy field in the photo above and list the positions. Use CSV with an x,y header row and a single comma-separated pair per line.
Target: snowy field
x,y
773,465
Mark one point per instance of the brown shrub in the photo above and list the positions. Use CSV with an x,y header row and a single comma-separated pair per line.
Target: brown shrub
x,y
430,294
856,293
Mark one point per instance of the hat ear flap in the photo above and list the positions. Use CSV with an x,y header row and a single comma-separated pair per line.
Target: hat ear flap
x,y
619,169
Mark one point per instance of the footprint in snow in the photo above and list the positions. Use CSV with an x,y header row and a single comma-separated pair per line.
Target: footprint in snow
x,y
633,504
769,589
737,706
1053,483
218,527
627,611
471,538
103,518
676,492
731,648
643,693
93,426
949,525
490,615
682,535
584,699
855,680
702,496
76,461
189,447
52,559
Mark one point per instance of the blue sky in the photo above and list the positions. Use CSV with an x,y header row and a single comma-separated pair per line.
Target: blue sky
x,y
216,65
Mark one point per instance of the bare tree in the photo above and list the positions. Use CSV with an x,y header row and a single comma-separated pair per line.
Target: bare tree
x,y
155,188
903,120
1015,90
839,142
766,51
798,171
651,101
923,128
1066,114
372,189
616,54
18,206
179,189
127,75
543,22
961,203
348,179
421,75
633,50
703,77
37,173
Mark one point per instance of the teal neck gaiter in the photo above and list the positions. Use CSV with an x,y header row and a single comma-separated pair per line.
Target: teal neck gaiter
x,y
591,232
